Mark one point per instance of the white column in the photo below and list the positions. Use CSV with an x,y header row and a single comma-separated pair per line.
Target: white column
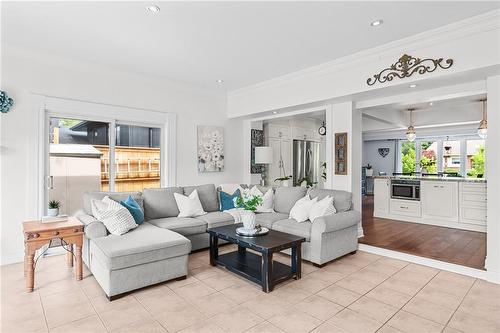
x,y
343,118
493,167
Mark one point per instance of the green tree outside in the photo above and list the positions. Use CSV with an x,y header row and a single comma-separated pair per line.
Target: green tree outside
x,y
409,157
477,161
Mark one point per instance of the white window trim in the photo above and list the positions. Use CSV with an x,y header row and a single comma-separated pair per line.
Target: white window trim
x,y
59,107
439,161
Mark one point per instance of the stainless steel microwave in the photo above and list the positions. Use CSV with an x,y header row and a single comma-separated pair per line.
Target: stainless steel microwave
x,y
406,189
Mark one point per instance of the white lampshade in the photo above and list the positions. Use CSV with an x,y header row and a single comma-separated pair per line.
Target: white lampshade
x,y
263,155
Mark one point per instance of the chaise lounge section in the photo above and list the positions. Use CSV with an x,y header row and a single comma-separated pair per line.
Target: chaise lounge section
x,y
157,250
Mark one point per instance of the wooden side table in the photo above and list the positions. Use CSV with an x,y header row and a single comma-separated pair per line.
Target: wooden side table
x,y
37,234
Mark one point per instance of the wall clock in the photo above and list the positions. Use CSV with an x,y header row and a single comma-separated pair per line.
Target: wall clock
x,y
322,129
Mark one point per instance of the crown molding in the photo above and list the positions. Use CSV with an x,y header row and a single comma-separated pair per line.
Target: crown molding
x,y
456,30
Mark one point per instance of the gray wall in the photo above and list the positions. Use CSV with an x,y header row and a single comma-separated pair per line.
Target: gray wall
x,y
371,155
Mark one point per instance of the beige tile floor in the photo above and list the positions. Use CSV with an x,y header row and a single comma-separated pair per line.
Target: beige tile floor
x,y
357,293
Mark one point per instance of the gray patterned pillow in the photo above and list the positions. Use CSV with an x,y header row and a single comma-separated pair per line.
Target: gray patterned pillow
x,y
116,218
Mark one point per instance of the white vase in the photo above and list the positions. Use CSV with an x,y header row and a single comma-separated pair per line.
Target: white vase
x,y
53,212
369,172
248,219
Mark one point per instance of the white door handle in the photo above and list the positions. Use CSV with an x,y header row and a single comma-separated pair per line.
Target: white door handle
x,y
50,182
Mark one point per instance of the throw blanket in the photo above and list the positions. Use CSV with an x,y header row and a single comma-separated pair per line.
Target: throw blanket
x,y
235,213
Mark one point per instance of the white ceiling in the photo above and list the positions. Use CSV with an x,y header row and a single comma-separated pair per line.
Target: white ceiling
x,y
454,111
200,42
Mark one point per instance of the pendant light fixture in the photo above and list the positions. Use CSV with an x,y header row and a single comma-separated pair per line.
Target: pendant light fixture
x,y
482,131
410,133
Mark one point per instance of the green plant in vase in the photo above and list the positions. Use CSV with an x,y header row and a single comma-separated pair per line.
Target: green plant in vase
x,y
249,203
54,206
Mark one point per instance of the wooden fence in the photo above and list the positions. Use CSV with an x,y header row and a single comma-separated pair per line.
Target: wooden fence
x,y
136,168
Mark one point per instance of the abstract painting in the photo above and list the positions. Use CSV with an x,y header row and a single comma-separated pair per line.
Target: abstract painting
x,y
210,149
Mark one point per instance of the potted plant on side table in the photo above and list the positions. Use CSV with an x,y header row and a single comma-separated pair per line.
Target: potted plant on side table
x,y
54,206
249,204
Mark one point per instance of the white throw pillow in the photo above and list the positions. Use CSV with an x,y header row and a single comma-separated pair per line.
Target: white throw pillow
x,y
321,208
189,206
267,200
300,211
116,218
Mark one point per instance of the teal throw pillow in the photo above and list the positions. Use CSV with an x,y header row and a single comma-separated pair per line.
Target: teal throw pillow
x,y
228,201
134,209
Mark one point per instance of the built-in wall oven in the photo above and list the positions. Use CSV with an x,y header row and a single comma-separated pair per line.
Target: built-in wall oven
x,y
406,189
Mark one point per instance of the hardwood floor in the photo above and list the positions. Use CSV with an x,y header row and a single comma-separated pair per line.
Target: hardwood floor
x,y
456,246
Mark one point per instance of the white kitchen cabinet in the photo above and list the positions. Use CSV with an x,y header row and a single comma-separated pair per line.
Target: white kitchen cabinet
x,y
439,200
302,133
473,203
278,131
381,196
273,169
405,207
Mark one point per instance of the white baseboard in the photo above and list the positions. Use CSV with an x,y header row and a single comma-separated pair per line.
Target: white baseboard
x,y
433,221
445,266
11,258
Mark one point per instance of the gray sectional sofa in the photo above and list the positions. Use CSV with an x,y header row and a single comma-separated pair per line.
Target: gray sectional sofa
x,y
158,249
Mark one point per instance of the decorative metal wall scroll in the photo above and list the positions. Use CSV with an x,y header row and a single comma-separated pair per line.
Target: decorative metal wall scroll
x,y
407,66
383,151
341,153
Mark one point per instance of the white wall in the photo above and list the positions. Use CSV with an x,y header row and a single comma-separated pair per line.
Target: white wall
x,y
25,72
379,163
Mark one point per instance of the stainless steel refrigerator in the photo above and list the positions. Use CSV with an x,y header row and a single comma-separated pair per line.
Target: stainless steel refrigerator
x,y
306,161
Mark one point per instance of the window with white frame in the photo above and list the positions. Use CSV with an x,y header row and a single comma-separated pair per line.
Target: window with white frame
x,y
462,156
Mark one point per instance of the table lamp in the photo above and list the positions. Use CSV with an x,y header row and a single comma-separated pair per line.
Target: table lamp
x,y
263,155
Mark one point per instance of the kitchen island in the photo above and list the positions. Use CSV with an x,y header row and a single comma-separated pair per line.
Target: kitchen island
x,y
443,201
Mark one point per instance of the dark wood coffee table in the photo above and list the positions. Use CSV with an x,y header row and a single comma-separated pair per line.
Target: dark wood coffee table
x,y
260,269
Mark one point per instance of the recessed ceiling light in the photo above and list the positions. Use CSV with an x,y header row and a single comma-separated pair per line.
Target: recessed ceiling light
x,y
153,9
220,81
413,85
431,103
275,112
376,23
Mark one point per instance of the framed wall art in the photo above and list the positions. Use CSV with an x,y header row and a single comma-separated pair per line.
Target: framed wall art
x,y
210,149
257,140
340,153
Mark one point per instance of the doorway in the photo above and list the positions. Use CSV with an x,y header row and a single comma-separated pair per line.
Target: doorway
x,y
426,195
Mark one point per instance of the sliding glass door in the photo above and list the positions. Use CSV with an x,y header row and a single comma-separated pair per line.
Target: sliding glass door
x,y
88,155
137,157
77,149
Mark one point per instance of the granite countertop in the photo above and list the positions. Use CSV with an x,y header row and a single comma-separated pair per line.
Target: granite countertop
x,y
433,178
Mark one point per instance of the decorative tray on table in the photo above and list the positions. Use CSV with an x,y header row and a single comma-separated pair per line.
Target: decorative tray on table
x,y
258,231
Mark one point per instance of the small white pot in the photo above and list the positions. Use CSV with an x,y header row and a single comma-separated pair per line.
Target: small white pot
x,y
53,212
369,172
285,183
248,219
